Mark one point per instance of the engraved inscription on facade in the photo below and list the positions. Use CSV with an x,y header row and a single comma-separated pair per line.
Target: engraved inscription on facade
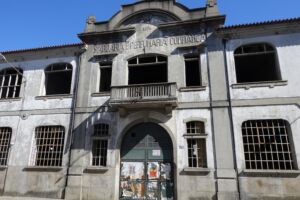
x,y
149,43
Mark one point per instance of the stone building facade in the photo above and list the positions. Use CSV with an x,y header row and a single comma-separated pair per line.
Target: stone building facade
x,y
160,102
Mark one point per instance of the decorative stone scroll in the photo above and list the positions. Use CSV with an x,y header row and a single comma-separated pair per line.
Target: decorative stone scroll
x,y
179,41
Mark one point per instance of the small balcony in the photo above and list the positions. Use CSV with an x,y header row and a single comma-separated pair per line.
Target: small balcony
x,y
144,95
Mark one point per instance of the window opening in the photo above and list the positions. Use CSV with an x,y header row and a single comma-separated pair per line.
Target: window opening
x,y
11,82
267,145
196,141
49,145
5,136
58,79
148,69
105,76
255,63
99,145
192,71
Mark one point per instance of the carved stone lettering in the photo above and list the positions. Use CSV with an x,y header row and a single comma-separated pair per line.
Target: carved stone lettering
x,y
149,43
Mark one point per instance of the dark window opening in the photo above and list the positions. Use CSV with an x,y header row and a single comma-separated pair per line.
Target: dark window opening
x,y
10,83
148,69
192,71
256,63
58,79
105,76
267,145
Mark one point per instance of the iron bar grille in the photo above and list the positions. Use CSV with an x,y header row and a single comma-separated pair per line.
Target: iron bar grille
x,y
267,145
5,136
49,145
196,146
99,152
99,145
10,83
101,130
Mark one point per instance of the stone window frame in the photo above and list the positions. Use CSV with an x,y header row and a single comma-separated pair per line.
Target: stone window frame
x,y
33,158
17,85
249,170
196,137
5,142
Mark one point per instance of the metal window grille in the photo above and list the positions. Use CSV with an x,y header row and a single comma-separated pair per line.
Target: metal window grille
x,y
196,144
49,145
10,83
101,130
99,144
267,145
5,136
99,152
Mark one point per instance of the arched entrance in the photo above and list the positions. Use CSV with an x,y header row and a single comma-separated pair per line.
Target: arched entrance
x,y
146,164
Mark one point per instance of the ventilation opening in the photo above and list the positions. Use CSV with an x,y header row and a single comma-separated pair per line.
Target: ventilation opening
x,y
192,71
58,79
149,69
256,63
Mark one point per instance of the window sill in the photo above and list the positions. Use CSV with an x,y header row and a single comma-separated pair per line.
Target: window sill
x,y
3,168
198,171
192,89
270,173
96,169
196,136
42,169
270,84
11,99
100,94
59,96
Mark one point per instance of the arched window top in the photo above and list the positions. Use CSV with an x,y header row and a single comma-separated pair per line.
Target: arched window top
x,y
195,127
254,48
147,59
57,67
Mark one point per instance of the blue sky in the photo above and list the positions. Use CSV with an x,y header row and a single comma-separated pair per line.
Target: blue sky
x,y
37,23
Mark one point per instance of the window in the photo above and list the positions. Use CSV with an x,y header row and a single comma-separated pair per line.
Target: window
x,y
196,142
5,135
99,145
256,63
11,81
58,79
148,69
192,71
105,76
267,145
48,146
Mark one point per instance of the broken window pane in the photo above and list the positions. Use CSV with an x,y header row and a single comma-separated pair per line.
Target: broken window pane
x,y
256,63
267,145
58,79
196,146
10,83
192,71
148,69
99,145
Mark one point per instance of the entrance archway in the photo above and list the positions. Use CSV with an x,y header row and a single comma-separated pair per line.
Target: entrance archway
x,y
147,164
